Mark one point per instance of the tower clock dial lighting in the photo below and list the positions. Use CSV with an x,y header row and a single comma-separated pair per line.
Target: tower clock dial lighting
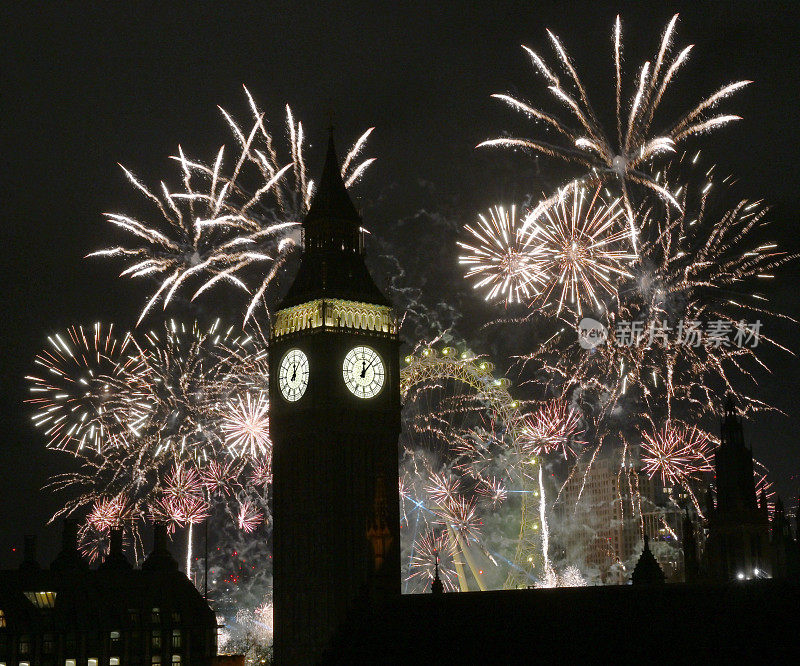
x,y
364,372
293,375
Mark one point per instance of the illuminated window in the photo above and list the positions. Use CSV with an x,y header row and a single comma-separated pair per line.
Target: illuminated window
x,y
42,599
24,663
114,661
92,662
155,641
70,662
176,639
155,617
156,659
176,659
2,619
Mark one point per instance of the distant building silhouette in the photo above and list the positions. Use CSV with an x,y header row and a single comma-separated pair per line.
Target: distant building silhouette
x,y
738,543
69,615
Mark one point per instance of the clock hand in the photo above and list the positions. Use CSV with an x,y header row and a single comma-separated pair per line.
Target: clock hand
x,y
363,369
294,372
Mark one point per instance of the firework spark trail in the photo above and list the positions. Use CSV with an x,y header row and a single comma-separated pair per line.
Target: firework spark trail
x,y
764,487
200,237
625,158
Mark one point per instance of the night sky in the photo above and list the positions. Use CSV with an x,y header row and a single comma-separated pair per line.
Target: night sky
x,y
86,87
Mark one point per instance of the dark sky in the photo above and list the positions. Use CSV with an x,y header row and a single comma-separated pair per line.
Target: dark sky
x,y
86,86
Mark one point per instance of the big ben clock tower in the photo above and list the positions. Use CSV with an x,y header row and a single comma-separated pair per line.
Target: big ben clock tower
x,y
334,391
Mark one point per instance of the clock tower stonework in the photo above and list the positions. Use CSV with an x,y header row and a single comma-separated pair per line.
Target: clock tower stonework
x,y
334,391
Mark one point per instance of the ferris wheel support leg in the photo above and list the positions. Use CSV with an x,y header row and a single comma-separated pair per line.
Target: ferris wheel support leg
x,y
462,578
471,562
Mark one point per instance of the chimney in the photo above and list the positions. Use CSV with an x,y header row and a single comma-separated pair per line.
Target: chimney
x,y
115,549
159,537
69,535
116,558
30,549
29,553
160,559
69,557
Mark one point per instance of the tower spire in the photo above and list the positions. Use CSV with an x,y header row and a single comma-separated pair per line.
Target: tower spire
x,y
333,248
331,200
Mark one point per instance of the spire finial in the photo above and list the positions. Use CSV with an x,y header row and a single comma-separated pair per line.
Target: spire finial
x,y
437,587
331,114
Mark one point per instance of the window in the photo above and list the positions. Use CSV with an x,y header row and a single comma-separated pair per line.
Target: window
x,y
42,599
91,662
156,659
114,661
69,662
155,641
2,618
176,617
24,644
48,646
176,639
155,616
133,617
176,659
114,636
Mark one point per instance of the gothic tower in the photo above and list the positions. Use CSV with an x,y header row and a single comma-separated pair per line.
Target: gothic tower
x,y
738,529
334,391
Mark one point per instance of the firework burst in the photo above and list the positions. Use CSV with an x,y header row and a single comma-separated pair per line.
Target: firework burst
x,y
226,217
248,517
626,155
189,373
677,453
685,323
580,246
553,427
500,258
245,424
79,390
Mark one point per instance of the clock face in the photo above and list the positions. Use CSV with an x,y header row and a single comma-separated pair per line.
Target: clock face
x,y
364,372
293,375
